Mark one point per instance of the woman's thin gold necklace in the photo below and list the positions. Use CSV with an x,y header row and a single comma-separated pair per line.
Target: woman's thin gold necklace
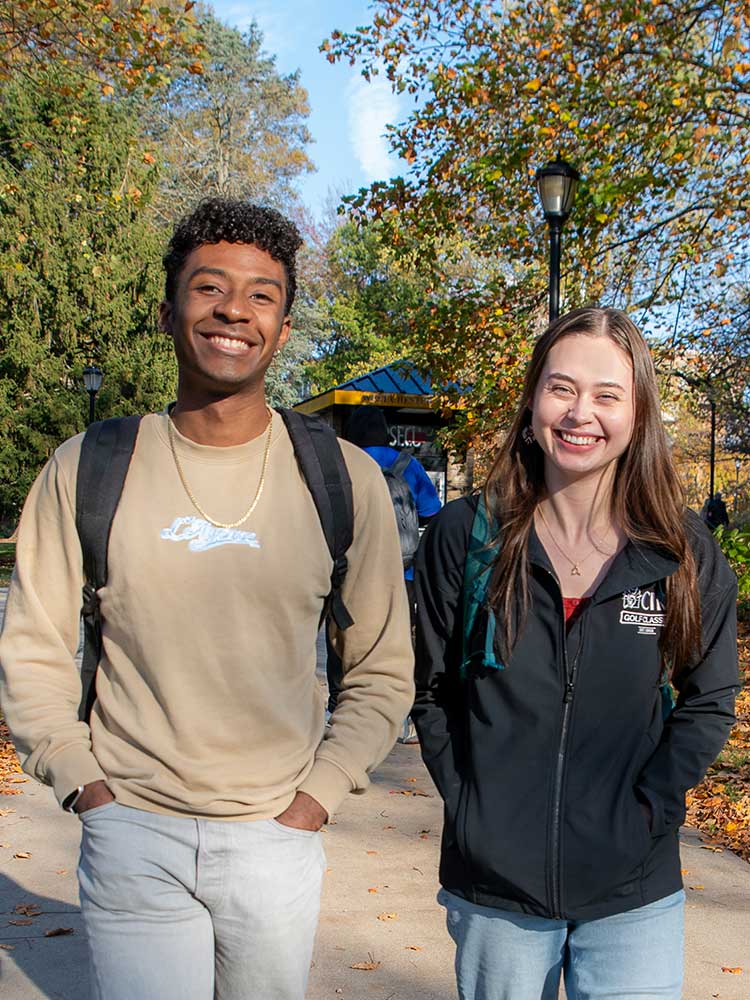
x,y
191,495
575,564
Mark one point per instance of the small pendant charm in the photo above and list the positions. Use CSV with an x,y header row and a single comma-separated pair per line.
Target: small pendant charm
x,y
575,571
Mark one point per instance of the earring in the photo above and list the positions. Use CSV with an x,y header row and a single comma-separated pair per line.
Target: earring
x,y
528,434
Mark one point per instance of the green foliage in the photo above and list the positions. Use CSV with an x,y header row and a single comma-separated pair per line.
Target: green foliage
x,y
735,544
366,295
80,277
649,99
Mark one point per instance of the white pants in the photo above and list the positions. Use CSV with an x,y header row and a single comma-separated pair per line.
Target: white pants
x,y
186,909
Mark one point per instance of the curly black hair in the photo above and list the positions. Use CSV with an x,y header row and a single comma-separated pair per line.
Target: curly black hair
x,y
217,220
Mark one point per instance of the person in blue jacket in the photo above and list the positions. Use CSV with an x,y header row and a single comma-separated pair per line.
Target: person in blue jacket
x,y
557,614
367,428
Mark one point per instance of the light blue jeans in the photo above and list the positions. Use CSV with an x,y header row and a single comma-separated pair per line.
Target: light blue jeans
x,y
186,909
502,955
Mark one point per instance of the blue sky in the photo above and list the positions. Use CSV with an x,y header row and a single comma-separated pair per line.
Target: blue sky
x,y
348,115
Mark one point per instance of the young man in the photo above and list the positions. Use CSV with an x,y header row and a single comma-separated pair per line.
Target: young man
x,y
201,780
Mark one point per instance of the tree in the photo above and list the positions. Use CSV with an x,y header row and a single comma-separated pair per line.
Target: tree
x,y
366,296
131,43
236,130
80,276
649,99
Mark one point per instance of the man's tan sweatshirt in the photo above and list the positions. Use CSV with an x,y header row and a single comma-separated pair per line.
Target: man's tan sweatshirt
x,y
207,703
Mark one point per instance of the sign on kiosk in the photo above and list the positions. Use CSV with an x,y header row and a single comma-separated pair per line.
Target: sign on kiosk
x,y
409,436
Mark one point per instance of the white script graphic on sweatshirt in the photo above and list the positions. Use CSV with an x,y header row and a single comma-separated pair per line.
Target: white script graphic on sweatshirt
x,y
202,535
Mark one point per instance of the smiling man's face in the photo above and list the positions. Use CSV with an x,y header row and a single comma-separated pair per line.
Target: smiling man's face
x,y
227,318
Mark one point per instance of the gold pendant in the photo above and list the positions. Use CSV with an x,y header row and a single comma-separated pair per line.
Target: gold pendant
x,y
575,571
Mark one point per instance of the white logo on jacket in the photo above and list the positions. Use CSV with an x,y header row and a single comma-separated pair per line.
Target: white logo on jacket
x,y
642,608
202,535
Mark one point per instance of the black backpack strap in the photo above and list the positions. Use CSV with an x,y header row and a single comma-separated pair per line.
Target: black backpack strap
x,y
323,468
401,464
105,457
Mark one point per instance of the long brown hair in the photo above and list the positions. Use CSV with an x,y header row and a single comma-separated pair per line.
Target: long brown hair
x,y
647,499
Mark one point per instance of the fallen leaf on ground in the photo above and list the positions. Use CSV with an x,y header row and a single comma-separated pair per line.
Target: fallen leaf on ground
x,y
21,923
61,871
6,812
373,889
59,932
16,781
371,852
28,909
734,971
414,780
684,871
7,947
720,805
22,855
710,847
696,888
365,966
389,827
388,916
413,947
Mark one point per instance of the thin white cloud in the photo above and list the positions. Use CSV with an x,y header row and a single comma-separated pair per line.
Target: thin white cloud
x,y
277,39
372,106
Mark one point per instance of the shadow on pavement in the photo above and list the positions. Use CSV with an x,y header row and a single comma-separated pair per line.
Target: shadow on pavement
x,y
32,964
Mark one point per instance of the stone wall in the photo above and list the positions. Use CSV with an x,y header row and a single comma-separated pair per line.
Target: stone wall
x,y
460,475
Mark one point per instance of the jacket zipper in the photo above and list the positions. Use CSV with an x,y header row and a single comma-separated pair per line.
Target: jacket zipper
x,y
570,679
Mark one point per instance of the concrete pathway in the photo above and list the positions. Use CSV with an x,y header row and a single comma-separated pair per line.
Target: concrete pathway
x,y
378,902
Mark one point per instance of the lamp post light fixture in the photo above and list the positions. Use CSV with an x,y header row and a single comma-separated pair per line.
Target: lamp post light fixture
x,y
556,184
92,380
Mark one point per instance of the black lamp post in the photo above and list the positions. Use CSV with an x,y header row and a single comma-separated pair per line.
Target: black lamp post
x,y
712,404
92,380
737,465
556,183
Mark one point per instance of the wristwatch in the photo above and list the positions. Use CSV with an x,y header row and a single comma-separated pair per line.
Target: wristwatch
x,y
69,802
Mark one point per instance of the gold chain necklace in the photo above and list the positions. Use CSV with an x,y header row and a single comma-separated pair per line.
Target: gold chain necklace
x,y
575,564
191,495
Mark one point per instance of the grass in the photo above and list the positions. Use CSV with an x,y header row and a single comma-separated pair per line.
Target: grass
x,y
7,559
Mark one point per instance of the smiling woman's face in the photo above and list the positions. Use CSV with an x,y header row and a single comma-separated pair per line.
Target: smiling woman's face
x,y
582,409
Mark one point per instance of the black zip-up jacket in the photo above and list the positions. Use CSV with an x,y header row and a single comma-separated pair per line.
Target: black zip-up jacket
x,y
543,765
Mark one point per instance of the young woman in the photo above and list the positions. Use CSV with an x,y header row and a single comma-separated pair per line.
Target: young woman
x,y
551,613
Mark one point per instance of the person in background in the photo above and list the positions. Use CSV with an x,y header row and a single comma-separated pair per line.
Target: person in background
x,y
551,613
367,428
714,512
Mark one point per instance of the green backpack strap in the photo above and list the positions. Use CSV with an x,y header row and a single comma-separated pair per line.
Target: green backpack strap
x,y
667,697
479,650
